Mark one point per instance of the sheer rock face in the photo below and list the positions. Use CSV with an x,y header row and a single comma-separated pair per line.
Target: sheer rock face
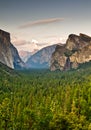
x,y
58,59
8,53
77,50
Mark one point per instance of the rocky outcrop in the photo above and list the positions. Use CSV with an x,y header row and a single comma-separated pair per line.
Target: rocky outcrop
x,y
8,53
42,58
76,51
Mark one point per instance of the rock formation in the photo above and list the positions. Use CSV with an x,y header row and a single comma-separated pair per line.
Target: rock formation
x,y
76,51
42,58
8,53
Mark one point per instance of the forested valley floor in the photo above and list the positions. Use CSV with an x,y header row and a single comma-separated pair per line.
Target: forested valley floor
x,y
44,100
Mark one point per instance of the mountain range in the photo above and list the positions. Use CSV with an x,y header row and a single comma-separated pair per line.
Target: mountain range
x,y
71,55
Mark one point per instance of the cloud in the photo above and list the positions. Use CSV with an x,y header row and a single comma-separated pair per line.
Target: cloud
x,y
18,42
30,47
55,39
25,45
41,22
50,36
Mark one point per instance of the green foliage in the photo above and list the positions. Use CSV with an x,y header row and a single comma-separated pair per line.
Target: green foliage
x,y
44,100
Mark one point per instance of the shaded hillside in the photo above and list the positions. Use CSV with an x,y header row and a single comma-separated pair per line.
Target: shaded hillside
x,y
7,72
41,59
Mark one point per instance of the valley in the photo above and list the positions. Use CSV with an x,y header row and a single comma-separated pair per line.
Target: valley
x,y
51,91
45,65
41,99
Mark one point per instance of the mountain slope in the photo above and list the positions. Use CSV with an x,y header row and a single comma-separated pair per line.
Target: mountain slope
x,y
5,71
76,51
8,53
41,59
25,55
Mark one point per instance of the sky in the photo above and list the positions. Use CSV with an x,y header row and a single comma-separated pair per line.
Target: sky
x,y
45,22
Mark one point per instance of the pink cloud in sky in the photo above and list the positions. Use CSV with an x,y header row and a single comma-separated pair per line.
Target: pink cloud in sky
x,y
19,42
25,45
41,22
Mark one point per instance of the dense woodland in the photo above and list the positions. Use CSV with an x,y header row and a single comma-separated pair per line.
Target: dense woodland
x,y
44,100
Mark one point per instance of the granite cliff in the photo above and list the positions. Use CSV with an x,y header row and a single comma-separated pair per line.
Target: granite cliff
x,y
76,51
8,53
41,59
